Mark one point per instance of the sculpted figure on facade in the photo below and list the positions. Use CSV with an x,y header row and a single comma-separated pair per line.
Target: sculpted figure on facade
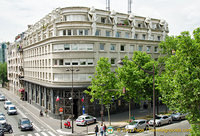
x,y
131,19
92,17
149,26
113,17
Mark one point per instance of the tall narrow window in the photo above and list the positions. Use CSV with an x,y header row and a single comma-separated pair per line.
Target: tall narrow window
x,y
143,36
61,62
112,47
64,32
118,34
127,35
101,48
86,31
140,48
112,61
66,46
97,33
158,38
108,33
80,32
132,48
122,48
69,32
136,36
155,49
148,48
103,20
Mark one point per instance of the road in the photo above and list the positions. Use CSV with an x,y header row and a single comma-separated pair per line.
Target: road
x,y
39,127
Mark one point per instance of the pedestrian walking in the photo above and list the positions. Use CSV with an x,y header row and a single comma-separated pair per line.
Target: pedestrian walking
x,y
104,128
46,112
101,130
96,129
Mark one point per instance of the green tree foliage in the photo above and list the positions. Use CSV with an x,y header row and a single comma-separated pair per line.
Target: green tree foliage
x,y
180,84
3,73
103,83
138,84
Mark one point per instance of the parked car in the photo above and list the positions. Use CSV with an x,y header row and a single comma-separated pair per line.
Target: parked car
x,y
1,132
6,103
2,120
161,120
137,126
2,114
25,124
85,120
2,98
178,116
11,109
6,128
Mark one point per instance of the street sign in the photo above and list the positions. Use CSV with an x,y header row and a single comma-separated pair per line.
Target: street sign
x,y
110,130
61,109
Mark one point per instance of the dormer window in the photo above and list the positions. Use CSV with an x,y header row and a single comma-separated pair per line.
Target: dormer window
x,y
103,20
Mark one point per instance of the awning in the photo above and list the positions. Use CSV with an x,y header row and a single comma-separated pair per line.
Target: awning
x,y
21,90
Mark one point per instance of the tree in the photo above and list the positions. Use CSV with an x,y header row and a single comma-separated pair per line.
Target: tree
x,y
103,83
138,84
180,84
3,73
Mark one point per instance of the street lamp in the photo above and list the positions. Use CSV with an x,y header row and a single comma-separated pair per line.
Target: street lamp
x,y
151,73
72,92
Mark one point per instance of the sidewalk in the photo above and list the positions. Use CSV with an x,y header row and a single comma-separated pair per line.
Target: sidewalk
x,y
117,120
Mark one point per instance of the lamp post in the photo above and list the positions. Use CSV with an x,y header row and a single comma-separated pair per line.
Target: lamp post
x,y
151,73
72,92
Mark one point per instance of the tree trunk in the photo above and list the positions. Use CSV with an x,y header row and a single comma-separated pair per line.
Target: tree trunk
x,y
108,109
149,107
129,110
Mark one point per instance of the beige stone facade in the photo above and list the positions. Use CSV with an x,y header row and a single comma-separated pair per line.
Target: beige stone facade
x,y
77,37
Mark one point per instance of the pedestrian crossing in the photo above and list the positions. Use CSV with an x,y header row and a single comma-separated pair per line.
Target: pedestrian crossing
x,y
42,133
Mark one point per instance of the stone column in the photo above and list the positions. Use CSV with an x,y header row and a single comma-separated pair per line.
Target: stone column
x,y
40,95
45,98
52,101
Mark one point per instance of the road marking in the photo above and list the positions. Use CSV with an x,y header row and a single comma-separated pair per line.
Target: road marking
x,y
37,134
44,133
51,133
36,117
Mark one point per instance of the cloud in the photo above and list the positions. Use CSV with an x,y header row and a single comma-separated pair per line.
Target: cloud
x,y
15,15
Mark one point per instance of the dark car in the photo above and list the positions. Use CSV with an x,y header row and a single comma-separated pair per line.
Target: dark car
x,y
1,132
25,124
6,128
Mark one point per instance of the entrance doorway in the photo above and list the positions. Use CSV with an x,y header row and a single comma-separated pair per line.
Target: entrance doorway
x,y
75,107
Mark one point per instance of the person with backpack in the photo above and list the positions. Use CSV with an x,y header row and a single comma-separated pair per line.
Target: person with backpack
x,y
101,129
96,129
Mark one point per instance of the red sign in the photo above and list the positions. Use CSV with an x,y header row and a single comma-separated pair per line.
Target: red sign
x,y
61,109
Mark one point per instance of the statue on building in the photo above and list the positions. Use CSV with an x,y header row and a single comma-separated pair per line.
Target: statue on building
x,y
92,17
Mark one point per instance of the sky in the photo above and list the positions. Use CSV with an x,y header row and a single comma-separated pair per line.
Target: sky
x,y
15,15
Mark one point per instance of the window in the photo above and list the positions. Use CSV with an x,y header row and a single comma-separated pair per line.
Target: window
x,y
112,61
61,62
143,36
90,47
103,20
152,37
90,61
136,36
74,47
127,35
118,34
101,48
140,48
148,48
97,33
80,32
139,25
74,63
158,38
74,32
122,48
82,61
66,46
86,31
64,32
67,63
112,47
108,33
55,62
82,47
69,32
156,49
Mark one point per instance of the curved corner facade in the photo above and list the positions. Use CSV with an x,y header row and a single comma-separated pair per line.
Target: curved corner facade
x,y
76,37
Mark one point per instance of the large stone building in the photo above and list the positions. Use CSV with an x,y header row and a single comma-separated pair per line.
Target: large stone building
x,y
76,37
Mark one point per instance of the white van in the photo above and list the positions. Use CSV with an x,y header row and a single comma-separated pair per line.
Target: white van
x,y
11,109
